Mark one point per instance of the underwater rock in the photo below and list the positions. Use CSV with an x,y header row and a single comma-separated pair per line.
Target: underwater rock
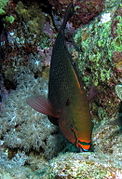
x,y
100,41
107,139
84,165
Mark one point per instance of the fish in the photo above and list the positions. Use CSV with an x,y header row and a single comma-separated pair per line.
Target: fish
x,y
67,104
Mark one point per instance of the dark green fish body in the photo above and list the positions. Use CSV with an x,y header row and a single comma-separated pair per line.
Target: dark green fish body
x,y
67,100
60,84
67,95
59,80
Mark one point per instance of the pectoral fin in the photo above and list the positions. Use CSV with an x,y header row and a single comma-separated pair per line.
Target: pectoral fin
x,y
42,105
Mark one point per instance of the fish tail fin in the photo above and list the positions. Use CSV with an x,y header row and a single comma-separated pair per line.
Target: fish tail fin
x,y
42,105
67,16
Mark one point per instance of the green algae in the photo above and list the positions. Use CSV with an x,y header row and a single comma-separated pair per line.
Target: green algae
x,y
9,19
97,52
97,44
32,15
117,42
3,4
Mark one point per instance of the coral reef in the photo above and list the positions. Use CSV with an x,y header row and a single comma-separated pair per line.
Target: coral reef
x,y
117,40
28,39
86,10
96,63
21,127
104,162
32,16
15,169
31,146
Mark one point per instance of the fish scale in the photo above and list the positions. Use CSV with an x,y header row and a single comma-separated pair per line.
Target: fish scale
x,y
67,103
59,78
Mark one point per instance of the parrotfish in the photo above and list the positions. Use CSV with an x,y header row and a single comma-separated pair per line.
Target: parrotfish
x,y
67,103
